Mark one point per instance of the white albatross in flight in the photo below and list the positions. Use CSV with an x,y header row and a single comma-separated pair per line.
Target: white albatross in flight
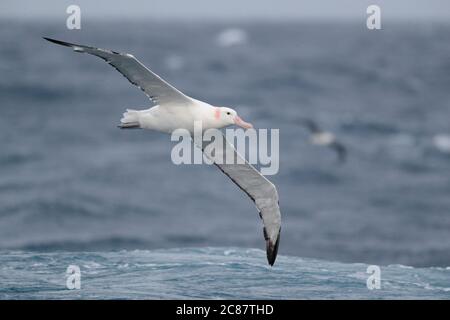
x,y
174,110
325,138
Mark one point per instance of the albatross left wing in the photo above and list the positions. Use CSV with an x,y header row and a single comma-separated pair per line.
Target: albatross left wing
x,y
263,192
159,91
340,150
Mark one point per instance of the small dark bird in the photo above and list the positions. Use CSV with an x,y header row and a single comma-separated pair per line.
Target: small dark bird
x,y
325,138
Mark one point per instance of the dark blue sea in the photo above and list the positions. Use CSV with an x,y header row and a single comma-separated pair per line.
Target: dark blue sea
x,y
74,189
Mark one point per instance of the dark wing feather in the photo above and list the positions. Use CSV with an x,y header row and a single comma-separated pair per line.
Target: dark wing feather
x,y
340,150
310,125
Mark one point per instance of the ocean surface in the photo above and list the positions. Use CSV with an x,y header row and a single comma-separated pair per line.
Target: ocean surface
x,y
70,181
207,273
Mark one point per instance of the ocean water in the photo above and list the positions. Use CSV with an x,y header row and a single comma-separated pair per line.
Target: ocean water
x,y
71,181
208,273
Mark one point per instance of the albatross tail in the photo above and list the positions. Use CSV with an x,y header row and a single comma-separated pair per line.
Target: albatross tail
x,y
130,120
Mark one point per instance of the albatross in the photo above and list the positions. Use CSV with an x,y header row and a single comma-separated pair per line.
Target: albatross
x,y
174,110
320,137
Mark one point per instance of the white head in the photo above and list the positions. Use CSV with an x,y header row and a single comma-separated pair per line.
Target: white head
x,y
227,116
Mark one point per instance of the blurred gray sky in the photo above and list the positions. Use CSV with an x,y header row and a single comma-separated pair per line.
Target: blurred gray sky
x,y
409,10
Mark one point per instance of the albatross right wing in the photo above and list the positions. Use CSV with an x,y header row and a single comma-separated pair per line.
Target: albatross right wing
x,y
158,90
340,150
258,188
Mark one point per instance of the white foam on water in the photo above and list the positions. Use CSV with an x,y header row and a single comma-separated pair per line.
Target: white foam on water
x,y
442,142
232,37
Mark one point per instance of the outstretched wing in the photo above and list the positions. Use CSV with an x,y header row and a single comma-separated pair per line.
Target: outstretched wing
x,y
310,125
340,150
158,90
257,187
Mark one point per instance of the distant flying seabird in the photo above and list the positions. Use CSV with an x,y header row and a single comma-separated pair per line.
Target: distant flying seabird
x,y
174,110
325,138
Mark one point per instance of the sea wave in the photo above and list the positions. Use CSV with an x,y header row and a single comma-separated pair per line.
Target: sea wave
x,y
208,273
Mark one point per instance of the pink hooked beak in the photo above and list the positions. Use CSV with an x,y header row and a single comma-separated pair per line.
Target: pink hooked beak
x,y
241,123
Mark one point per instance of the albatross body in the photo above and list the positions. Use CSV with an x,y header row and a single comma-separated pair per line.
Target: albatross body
x,y
175,110
167,119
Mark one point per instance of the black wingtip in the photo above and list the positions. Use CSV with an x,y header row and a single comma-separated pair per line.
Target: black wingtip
x,y
272,250
58,42
129,125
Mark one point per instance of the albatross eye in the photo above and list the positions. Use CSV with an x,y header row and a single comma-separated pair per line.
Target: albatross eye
x,y
228,113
